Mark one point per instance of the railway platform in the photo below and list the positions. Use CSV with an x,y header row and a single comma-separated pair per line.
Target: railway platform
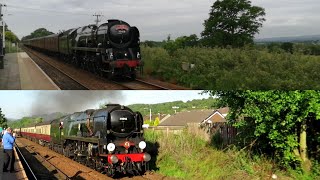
x,y
22,73
19,175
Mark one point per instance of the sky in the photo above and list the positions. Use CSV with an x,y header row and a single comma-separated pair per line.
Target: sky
x,y
156,19
18,104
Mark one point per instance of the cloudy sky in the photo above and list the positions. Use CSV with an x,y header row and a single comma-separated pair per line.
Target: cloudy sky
x,y
17,104
156,18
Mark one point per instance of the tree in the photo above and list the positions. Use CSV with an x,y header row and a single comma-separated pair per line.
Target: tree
x,y
3,120
156,122
38,33
283,124
232,22
287,46
10,36
181,42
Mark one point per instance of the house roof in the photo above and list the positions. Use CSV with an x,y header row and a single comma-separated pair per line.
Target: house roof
x,y
218,115
183,118
224,111
196,116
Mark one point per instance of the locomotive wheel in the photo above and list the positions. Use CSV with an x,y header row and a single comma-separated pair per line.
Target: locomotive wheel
x,y
75,61
92,67
133,76
91,163
110,75
82,65
66,152
110,171
100,72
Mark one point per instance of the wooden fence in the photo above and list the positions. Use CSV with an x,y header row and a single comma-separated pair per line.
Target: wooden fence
x,y
168,129
227,132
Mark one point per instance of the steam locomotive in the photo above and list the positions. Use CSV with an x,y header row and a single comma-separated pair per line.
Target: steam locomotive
x,y
109,140
111,49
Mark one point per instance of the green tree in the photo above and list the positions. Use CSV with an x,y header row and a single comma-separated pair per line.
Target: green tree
x,y
156,122
232,22
3,120
287,46
280,123
181,43
38,33
10,36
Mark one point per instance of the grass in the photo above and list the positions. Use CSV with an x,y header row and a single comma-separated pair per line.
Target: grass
x,y
184,156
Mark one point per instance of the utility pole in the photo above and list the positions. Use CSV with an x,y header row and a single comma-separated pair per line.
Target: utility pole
x,y
98,18
150,115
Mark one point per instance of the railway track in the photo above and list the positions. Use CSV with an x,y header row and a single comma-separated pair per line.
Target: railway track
x,y
140,84
36,166
86,80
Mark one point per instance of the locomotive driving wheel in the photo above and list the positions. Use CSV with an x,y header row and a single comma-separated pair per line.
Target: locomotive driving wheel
x,y
75,61
110,171
133,76
110,75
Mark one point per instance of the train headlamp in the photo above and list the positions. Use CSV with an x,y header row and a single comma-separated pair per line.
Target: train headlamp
x,y
111,55
111,147
146,157
138,55
142,145
114,159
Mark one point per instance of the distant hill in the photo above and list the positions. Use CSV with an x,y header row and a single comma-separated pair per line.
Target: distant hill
x,y
25,121
171,107
49,117
306,38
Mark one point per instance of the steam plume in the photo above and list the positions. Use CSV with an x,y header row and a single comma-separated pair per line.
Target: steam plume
x,y
47,102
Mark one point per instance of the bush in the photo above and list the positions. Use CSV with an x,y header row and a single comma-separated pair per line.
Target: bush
x,y
234,69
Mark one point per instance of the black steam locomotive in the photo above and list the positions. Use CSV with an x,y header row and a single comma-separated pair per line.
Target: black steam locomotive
x,y
109,140
113,48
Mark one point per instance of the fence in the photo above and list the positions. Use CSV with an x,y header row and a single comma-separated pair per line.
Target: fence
x,y
226,132
12,47
196,130
168,129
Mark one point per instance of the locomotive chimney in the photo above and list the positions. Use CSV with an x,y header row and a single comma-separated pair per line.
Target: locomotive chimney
x,y
110,105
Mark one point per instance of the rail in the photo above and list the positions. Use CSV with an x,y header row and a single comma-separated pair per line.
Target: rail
x,y
29,168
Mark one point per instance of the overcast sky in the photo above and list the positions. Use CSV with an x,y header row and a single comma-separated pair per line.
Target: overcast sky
x,y
156,18
17,104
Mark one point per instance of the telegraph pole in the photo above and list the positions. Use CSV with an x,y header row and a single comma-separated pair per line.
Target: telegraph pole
x,y
98,18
